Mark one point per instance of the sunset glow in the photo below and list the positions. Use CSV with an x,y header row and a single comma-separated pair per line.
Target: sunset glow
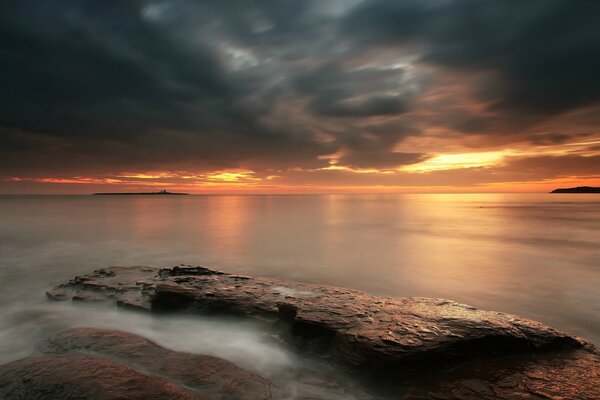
x,y
444,162
327,97
233,177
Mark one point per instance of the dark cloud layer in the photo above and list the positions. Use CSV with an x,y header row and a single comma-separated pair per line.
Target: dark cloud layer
x,y
98,78
543,54
382,160
352,93
109,86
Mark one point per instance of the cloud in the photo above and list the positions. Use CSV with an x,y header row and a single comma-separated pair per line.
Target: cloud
x,y
372,106
96,88
549,138
542,55
109,84
337,91
382,160
547,167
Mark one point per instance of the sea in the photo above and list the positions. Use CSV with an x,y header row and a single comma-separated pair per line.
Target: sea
x,y
534,255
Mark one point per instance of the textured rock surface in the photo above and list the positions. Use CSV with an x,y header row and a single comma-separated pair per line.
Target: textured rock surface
x,y
573,375
128,286
210,376
79,376
95,363
469,353
365,331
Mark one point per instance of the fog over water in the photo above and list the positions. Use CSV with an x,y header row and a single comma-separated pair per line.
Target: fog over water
x,y
533,255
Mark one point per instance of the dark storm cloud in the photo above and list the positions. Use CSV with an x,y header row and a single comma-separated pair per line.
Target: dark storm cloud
x,y
119,84
335,91
373,147
544,54
110,86
377,137
373,106
383,160
268,23
68,63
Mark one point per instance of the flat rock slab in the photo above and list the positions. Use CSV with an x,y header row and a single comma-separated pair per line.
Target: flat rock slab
x,y
393,336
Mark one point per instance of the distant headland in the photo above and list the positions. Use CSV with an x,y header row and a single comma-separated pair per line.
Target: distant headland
x,y
579,189
161,193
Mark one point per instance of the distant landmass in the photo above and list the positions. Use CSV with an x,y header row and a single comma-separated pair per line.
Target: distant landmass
x,y
579,189
161,193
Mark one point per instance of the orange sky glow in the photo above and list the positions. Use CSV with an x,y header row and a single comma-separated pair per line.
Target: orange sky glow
x,y
441,173
334,99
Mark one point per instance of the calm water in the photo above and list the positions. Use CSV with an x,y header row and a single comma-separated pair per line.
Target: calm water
x,y
533,255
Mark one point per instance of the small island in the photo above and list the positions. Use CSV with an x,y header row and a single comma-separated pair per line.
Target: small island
x,y
579,189
161,193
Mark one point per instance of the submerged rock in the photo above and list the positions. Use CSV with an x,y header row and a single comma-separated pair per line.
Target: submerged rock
x,y
403,338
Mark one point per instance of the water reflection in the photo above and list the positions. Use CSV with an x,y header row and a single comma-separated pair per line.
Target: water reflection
x,y
226,221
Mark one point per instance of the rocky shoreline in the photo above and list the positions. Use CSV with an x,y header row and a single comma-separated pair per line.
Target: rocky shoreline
x,y
429,348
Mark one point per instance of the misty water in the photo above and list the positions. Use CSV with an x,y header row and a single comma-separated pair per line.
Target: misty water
x,y
535,255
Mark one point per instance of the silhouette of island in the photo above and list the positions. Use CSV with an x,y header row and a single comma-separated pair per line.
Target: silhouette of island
x,y
579,189
161,193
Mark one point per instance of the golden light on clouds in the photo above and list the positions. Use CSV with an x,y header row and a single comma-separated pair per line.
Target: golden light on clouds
x,y
148,175
442,162
520,168
335,167
233,176
71,180
360,108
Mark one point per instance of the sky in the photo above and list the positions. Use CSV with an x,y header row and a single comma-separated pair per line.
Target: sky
x,y
299,96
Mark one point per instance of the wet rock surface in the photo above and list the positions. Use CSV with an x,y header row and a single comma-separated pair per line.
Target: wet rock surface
x,y
573,375
108,364
210,376
469,353
93,363
80,376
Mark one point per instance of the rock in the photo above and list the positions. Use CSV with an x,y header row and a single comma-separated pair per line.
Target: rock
x,y
210,376
57,294
564,376
79,376
131,302
128,286
402,338
287,312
